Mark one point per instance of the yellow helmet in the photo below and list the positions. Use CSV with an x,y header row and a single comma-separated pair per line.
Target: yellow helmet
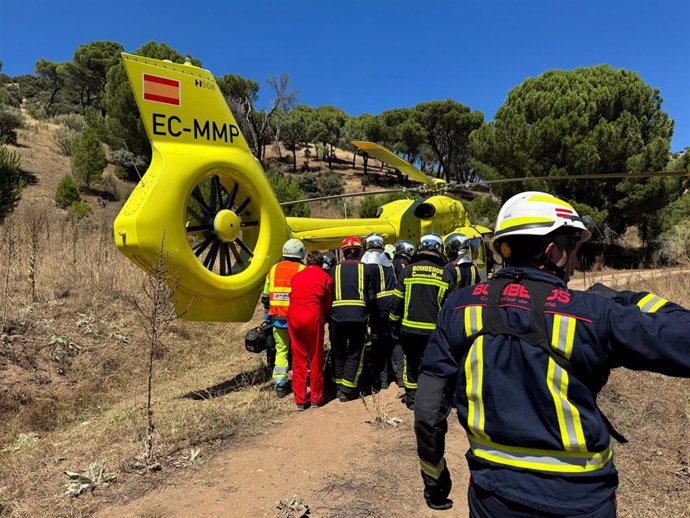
x,y
534,213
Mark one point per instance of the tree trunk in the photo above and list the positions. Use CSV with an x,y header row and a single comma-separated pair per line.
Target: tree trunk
x,y
354,157
294,159
365,156
330,155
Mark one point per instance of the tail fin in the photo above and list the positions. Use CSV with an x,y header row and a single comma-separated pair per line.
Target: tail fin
x,y
181,104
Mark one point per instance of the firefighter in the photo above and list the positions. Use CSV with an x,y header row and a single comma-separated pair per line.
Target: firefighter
x,y
381,342
403,255
329,261
310,304
529,357
462,269
419,294
389,250
276,301
354,292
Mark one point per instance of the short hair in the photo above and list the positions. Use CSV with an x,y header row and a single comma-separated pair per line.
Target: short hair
x,y
315,257
352,253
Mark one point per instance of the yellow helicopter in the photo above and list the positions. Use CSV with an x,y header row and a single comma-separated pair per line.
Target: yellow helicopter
x,y
207,197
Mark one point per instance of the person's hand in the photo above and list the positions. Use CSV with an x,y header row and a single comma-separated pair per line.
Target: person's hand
x,y
603,290
436,496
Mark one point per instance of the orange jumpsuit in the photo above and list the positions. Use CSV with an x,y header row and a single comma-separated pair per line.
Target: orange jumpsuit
x,y
310,304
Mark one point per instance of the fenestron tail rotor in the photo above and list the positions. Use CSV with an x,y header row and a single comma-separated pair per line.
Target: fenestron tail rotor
x,y
221,225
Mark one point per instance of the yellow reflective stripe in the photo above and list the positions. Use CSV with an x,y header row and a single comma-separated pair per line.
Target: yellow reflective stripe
x,y
353,384
440,294
651,303
431,470
279,302
563,335
338,284
523,221
398,293
382,294
349,302
382,279
428,282
474,373
272,278
473,275
360,280
550,199
280,290
418,325
569,421
394,317
540,460
408,384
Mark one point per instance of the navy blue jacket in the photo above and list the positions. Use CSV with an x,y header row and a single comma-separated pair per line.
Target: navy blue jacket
x,y
536,435
354,290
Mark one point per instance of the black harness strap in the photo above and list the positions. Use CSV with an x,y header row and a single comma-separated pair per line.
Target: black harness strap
x,y
535,332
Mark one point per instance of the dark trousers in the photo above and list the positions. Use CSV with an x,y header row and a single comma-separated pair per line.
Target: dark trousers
x,y
347,354
383,369
413,346
484,504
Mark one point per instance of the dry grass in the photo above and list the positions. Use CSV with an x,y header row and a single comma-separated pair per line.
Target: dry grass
x,y
73,363
73,378
653,412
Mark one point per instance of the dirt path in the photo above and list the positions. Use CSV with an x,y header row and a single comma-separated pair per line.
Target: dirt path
x,y
333,458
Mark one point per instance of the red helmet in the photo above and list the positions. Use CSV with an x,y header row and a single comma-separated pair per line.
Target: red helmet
x,y
351,242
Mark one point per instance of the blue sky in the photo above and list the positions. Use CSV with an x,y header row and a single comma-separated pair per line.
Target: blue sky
x,y
369,56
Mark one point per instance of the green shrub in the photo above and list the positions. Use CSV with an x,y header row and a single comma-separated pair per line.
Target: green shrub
x,y
675,243
309,183
11,180
10,121
65,139
67,192
73,121
286,189
88,158
80,210
483,210
330,184
37,109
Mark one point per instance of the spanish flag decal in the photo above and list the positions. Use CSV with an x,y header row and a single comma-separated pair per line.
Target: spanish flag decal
x,y
162,90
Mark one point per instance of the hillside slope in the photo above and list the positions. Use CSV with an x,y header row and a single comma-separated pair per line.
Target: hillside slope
x,y
72,393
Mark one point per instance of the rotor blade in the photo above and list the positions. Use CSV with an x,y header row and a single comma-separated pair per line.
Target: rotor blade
x,y
388,157
244,247
197,228
196,194
351,195
199,249
237,255
211,257
598,176
194,213
231,200
243,206
214,191
225,264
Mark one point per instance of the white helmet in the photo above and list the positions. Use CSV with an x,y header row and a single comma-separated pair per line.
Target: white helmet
x,y
430,242
294,248
456,244
390,251
373,242
534,213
